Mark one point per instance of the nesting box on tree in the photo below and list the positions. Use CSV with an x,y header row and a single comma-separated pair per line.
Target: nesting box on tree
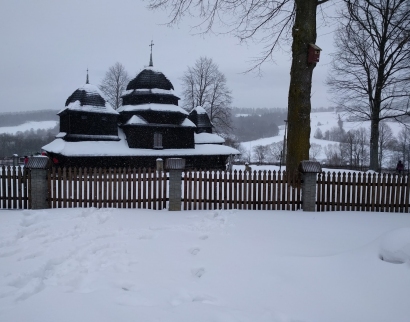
x,y
313,53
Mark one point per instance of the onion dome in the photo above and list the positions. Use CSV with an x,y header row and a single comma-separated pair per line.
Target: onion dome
x,y
150,79
87,95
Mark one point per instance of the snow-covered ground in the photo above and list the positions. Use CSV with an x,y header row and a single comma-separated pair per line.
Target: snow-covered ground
x,y
74,265
325,121
43,125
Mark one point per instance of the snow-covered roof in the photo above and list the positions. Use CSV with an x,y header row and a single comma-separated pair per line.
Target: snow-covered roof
x,y
148,90
200,117
199,110
120,148
150,78
187,123
88,95
92,137
203,138
76,106
135,119
152,107
90,88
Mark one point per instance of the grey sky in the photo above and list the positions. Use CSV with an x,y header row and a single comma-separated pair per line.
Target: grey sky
x,y
47,45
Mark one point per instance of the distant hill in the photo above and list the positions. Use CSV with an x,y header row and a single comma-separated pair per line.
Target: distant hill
x,y
18,118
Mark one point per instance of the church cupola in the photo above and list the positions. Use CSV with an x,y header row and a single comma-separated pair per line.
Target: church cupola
x,y
200,118
149,86
87,116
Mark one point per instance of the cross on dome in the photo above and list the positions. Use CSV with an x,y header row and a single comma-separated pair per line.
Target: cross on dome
x,y
150,58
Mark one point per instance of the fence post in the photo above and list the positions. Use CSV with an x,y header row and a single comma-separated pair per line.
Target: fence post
x,y
175,167
15,160
309,170
39,167
160,164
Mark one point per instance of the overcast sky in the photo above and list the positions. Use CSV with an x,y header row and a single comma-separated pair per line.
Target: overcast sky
x,y
47,46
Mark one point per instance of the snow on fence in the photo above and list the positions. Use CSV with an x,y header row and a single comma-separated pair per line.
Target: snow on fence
x,y
362,192
112,188
14,187
260,190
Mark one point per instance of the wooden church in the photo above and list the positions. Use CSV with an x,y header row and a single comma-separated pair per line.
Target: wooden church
x,y
149,125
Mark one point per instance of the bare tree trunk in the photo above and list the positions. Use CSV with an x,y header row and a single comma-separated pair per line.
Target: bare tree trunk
x,y
304,32
374,144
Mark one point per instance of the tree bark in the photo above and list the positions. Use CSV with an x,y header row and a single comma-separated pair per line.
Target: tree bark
x,y
374,144
299,106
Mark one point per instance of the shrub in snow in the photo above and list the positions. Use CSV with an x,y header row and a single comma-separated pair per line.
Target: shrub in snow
x,y
395,246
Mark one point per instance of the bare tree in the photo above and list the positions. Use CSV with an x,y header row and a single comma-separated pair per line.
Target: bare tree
x,y
246,154
114,83
260,153
204,85
334,155
386,141
403,147
355,147
314,151
370,69
274,152
270,22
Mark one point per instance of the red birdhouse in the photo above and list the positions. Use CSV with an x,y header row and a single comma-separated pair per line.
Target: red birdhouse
x,y
313,54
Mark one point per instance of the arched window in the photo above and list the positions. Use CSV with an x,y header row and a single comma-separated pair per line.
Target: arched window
x,y
157,140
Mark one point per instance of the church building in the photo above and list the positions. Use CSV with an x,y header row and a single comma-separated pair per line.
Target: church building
x,y
149,125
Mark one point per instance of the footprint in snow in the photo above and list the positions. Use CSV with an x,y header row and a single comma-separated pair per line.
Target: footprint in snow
x,y
198,272
194,250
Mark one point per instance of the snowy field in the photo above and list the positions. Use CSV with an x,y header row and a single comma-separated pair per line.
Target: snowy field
x,y
74,265
325,121
43,125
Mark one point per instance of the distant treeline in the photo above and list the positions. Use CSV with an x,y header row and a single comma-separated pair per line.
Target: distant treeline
x,y
27,142
256,123
17,118
259,110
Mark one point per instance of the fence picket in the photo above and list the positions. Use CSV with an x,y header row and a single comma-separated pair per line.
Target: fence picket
x,y
283,188
406,202
200,193
220,189
154,189
195,189
397,190
144,190
9,193
368,191
19,204
149,196
104,187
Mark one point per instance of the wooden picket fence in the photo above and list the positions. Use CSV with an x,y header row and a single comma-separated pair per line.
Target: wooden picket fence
x,y
14,188
362,192
102,188
258,190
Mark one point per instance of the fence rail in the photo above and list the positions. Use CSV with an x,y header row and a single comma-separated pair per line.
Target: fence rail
x,y
258,190
117,188
362,192
14,188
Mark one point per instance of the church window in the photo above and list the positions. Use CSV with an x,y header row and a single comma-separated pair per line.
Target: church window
x,y
157,141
